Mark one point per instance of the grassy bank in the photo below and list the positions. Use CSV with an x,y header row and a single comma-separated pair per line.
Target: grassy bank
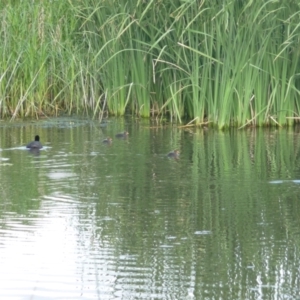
x,y
223,64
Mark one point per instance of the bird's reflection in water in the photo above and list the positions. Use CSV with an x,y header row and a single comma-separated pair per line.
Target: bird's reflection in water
x,y
34,151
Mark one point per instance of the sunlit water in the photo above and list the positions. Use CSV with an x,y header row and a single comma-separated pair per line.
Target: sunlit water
x,y
84,220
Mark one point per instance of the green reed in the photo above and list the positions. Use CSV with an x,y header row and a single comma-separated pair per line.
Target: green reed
x,y
230,64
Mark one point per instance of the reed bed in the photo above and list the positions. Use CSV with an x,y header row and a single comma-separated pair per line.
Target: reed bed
x,y
228,64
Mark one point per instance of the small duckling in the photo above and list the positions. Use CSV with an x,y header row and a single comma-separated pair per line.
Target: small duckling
x,y
108,140
174,154
122,134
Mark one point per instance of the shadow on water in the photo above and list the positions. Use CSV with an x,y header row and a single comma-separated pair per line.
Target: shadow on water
x,y
86,219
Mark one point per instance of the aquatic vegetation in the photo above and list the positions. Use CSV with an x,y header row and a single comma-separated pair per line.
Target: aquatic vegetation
x,y
222,65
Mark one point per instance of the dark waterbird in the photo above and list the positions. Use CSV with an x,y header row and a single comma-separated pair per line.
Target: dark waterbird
x,y
35,144
122,134
174,154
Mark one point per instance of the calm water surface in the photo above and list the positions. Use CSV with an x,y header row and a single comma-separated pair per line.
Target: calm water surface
x,y
85,220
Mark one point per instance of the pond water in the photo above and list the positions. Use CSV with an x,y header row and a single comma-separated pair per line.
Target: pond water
x,y
87,220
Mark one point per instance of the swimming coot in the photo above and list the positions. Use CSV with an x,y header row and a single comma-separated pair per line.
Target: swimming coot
x,y
174,154
35,144
122,134
108,140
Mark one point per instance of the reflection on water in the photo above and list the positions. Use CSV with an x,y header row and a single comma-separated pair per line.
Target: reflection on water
x,y
87,220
